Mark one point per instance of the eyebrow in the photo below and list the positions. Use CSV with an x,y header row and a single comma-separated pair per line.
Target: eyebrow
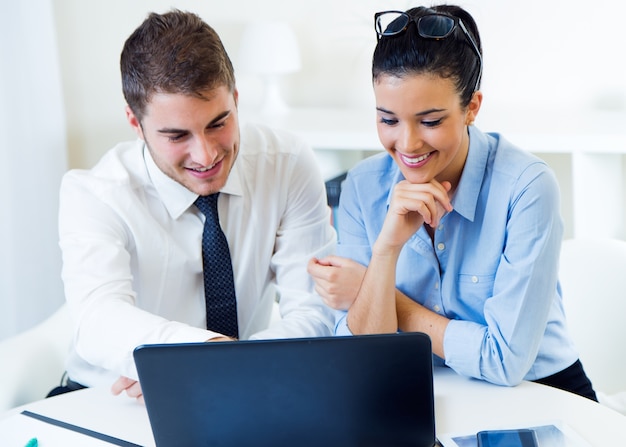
x,y
218,118
422,113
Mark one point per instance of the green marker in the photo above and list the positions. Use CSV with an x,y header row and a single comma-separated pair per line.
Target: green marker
x,y
32,443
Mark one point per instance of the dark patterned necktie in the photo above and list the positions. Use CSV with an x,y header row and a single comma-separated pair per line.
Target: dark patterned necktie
x,y
219,287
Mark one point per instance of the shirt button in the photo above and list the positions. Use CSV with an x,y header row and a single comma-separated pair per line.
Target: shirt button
x,y
436,308
436,286
474,279
441,246
440,227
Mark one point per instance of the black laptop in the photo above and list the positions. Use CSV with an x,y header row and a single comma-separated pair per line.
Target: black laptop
x,y
371,390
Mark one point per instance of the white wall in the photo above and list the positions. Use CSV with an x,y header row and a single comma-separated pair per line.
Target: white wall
x,y
542,58
541,55
32,161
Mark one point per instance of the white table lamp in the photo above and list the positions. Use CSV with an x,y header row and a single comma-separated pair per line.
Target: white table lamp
x,y
270,50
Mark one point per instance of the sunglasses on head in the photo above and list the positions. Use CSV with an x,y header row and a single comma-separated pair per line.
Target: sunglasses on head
x,y
432,26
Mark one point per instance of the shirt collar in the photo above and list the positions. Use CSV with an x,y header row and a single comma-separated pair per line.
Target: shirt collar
x,y
176,198
466,196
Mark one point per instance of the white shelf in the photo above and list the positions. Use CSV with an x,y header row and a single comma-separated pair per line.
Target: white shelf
x,y
595,141
534,130
553,131
327,128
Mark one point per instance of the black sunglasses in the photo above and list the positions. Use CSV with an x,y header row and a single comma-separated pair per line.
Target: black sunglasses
x,y
431,26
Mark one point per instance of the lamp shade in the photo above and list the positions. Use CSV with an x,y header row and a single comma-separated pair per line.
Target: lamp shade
x,y
269,48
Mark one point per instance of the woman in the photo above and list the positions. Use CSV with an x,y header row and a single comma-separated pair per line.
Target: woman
x,y
460,230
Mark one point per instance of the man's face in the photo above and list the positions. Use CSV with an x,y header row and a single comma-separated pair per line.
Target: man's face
x,y
193,140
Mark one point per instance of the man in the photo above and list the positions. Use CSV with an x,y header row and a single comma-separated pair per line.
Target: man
x,y
132,235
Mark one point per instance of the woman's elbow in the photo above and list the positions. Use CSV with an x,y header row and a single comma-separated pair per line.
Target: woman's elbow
x,y
509,372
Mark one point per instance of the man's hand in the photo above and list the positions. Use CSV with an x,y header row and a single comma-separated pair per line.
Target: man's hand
x,y
337,280
132,387
221,338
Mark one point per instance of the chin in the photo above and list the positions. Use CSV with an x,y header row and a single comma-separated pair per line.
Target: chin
x,y
207,190
415,178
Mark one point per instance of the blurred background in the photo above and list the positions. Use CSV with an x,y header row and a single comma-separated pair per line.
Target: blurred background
x,y
554,77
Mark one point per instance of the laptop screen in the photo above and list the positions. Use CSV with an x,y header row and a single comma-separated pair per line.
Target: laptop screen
x,y
372,390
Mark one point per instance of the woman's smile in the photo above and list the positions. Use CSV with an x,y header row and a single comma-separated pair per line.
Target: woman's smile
x,y
415,161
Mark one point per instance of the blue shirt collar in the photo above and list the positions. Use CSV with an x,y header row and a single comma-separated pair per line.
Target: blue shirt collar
x,y
468,190
466,197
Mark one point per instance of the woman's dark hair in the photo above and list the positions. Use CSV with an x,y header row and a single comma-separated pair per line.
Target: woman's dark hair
x,y
407,53
175,52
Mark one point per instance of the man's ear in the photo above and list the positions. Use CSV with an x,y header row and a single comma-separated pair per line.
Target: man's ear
x,y
134,122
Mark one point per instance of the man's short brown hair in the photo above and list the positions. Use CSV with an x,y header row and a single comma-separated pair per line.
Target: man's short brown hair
x,y
175,52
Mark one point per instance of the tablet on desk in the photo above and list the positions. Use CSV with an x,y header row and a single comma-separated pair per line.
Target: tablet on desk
x,y
552,434
372,390
521,437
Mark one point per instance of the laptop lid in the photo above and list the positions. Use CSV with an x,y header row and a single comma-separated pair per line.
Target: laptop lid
x,y
371,390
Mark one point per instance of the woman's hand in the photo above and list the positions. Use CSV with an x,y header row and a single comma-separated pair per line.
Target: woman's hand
x,y
337,280
412,205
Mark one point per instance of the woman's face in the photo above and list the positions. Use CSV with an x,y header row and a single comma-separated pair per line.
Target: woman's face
x,y
422,126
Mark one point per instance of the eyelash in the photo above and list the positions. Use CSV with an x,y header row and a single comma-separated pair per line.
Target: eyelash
x,y
179,137
388,122
176,138
433,123
391,122
218,125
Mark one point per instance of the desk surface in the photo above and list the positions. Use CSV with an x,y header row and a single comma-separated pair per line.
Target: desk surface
x,y
462,406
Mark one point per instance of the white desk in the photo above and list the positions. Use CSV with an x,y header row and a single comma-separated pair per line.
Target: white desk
x,y
466,406
462,406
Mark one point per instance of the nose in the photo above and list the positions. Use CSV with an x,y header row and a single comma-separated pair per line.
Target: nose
x,y
204,151
409,139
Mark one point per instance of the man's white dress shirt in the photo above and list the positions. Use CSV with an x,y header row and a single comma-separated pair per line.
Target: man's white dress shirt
x,y
132,256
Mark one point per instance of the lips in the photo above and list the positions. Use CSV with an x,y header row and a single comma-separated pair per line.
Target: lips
x,y
207,168
205,171
415,161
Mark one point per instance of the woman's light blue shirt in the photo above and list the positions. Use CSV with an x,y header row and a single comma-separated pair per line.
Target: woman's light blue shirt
x,y
492,267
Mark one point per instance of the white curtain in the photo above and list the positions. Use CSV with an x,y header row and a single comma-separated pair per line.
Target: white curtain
x,y
32,161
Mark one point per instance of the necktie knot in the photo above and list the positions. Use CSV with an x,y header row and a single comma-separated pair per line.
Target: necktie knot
x,y
207,204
